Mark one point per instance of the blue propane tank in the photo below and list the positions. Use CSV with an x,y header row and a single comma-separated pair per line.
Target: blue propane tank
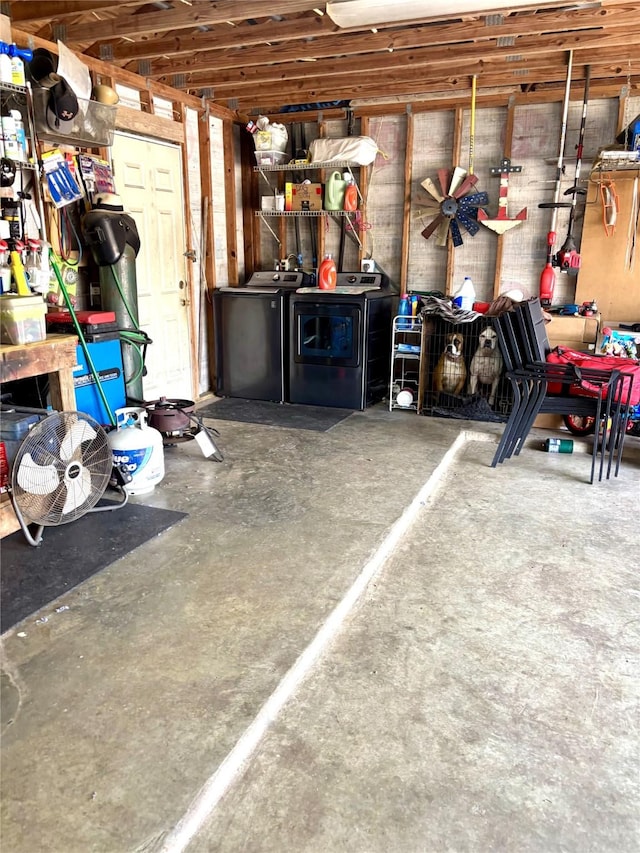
x,y
138,448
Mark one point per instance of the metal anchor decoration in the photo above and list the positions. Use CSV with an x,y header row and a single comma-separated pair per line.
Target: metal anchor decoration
x,y
502,222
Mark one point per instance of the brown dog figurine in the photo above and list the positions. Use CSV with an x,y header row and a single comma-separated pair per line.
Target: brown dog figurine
x,y
450,373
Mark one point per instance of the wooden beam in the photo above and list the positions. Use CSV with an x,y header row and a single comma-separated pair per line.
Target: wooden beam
x,y
207,260
251,223
392,34
120,75
421,60
192,317
181,17
273,97
231,38
406,218
297,49
230,203
21,12
506,152
135,121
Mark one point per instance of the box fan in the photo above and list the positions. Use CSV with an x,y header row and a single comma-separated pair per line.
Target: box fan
x,y
60,472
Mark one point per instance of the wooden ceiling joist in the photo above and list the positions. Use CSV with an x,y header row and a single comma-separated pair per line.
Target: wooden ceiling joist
x,y
248,53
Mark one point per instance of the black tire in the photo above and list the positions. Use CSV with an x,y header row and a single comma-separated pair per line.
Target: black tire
x,y
580,424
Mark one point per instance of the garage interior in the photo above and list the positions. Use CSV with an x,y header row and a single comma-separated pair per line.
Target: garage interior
x,y
330,623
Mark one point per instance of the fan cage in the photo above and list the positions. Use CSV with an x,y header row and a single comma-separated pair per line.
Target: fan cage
x,y
82,469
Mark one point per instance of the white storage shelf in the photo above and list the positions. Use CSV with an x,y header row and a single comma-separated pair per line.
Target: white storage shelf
x,y
300,167
404,372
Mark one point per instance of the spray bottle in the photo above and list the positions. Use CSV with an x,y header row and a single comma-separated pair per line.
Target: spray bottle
x,y
5,269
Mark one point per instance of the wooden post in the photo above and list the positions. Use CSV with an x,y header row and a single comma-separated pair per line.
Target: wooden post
x,y
406,218
181,111
455,158
250,200
508,141
230,202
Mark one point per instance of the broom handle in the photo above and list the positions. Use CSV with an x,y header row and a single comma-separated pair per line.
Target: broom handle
x,y
563,137
83,343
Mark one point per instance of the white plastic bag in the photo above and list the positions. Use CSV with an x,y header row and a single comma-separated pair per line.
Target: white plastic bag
x,y
270,137
360,150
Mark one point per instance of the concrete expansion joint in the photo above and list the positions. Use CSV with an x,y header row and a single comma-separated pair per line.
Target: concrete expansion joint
x,y
233,766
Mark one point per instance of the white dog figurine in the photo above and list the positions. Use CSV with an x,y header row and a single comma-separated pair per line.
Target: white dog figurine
x,y
486,365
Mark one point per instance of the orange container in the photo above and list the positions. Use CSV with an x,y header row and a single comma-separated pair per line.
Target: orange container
x,y
327,274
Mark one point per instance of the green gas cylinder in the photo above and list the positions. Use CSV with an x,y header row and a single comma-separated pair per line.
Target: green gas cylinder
x,y
112,298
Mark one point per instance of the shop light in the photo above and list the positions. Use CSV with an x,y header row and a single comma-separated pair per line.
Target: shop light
x,y
355,13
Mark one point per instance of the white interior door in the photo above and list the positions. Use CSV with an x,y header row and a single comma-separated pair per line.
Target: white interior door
x,y
148,177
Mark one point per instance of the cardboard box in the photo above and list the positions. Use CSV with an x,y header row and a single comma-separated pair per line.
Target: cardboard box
x,y
303,196
548,421
579,333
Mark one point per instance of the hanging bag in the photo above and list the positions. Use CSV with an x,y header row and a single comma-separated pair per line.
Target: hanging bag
x,y
359,150
582,387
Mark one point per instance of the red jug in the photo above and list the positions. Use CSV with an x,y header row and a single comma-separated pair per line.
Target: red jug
x,y
327,274
351,197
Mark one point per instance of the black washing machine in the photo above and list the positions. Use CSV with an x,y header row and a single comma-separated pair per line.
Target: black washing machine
x,y
251,325
340,341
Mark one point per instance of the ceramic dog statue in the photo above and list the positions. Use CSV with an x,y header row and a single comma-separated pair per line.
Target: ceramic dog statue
x,y
486,364
450,373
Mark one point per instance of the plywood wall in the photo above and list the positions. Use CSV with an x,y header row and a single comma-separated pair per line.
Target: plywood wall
x,y
610,274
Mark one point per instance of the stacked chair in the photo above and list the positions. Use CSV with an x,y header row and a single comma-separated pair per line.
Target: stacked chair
x,y
524,345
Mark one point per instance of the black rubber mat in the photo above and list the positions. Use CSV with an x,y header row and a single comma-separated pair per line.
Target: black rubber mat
x,y
71,553
287,415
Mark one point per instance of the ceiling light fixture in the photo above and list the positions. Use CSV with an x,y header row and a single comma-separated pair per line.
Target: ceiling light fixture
x,y
356,13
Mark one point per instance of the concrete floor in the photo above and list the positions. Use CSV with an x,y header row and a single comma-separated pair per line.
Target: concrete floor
x,y
360,640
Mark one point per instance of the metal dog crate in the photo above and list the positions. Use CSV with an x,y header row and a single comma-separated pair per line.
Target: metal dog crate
x,y
469,371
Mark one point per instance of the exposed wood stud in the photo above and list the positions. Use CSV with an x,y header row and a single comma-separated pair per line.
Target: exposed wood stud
x,y
406,219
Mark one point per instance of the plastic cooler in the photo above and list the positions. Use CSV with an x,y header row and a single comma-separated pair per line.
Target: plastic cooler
x,y
14,427
22,319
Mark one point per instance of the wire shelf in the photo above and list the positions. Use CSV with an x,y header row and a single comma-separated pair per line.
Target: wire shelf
x,y
302,212
298,167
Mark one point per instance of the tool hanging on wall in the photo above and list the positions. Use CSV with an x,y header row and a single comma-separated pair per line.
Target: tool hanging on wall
x,y
455,204
634,227
610,206
568,258
344,221
502,222
548,276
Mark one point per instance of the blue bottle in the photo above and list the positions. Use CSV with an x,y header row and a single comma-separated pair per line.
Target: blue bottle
x,y
404,310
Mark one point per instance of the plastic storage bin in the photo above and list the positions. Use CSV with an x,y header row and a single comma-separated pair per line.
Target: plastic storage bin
x,y
270,158
22,319
14,427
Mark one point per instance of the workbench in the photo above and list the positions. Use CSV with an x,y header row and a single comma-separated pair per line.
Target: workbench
x,y
56,357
